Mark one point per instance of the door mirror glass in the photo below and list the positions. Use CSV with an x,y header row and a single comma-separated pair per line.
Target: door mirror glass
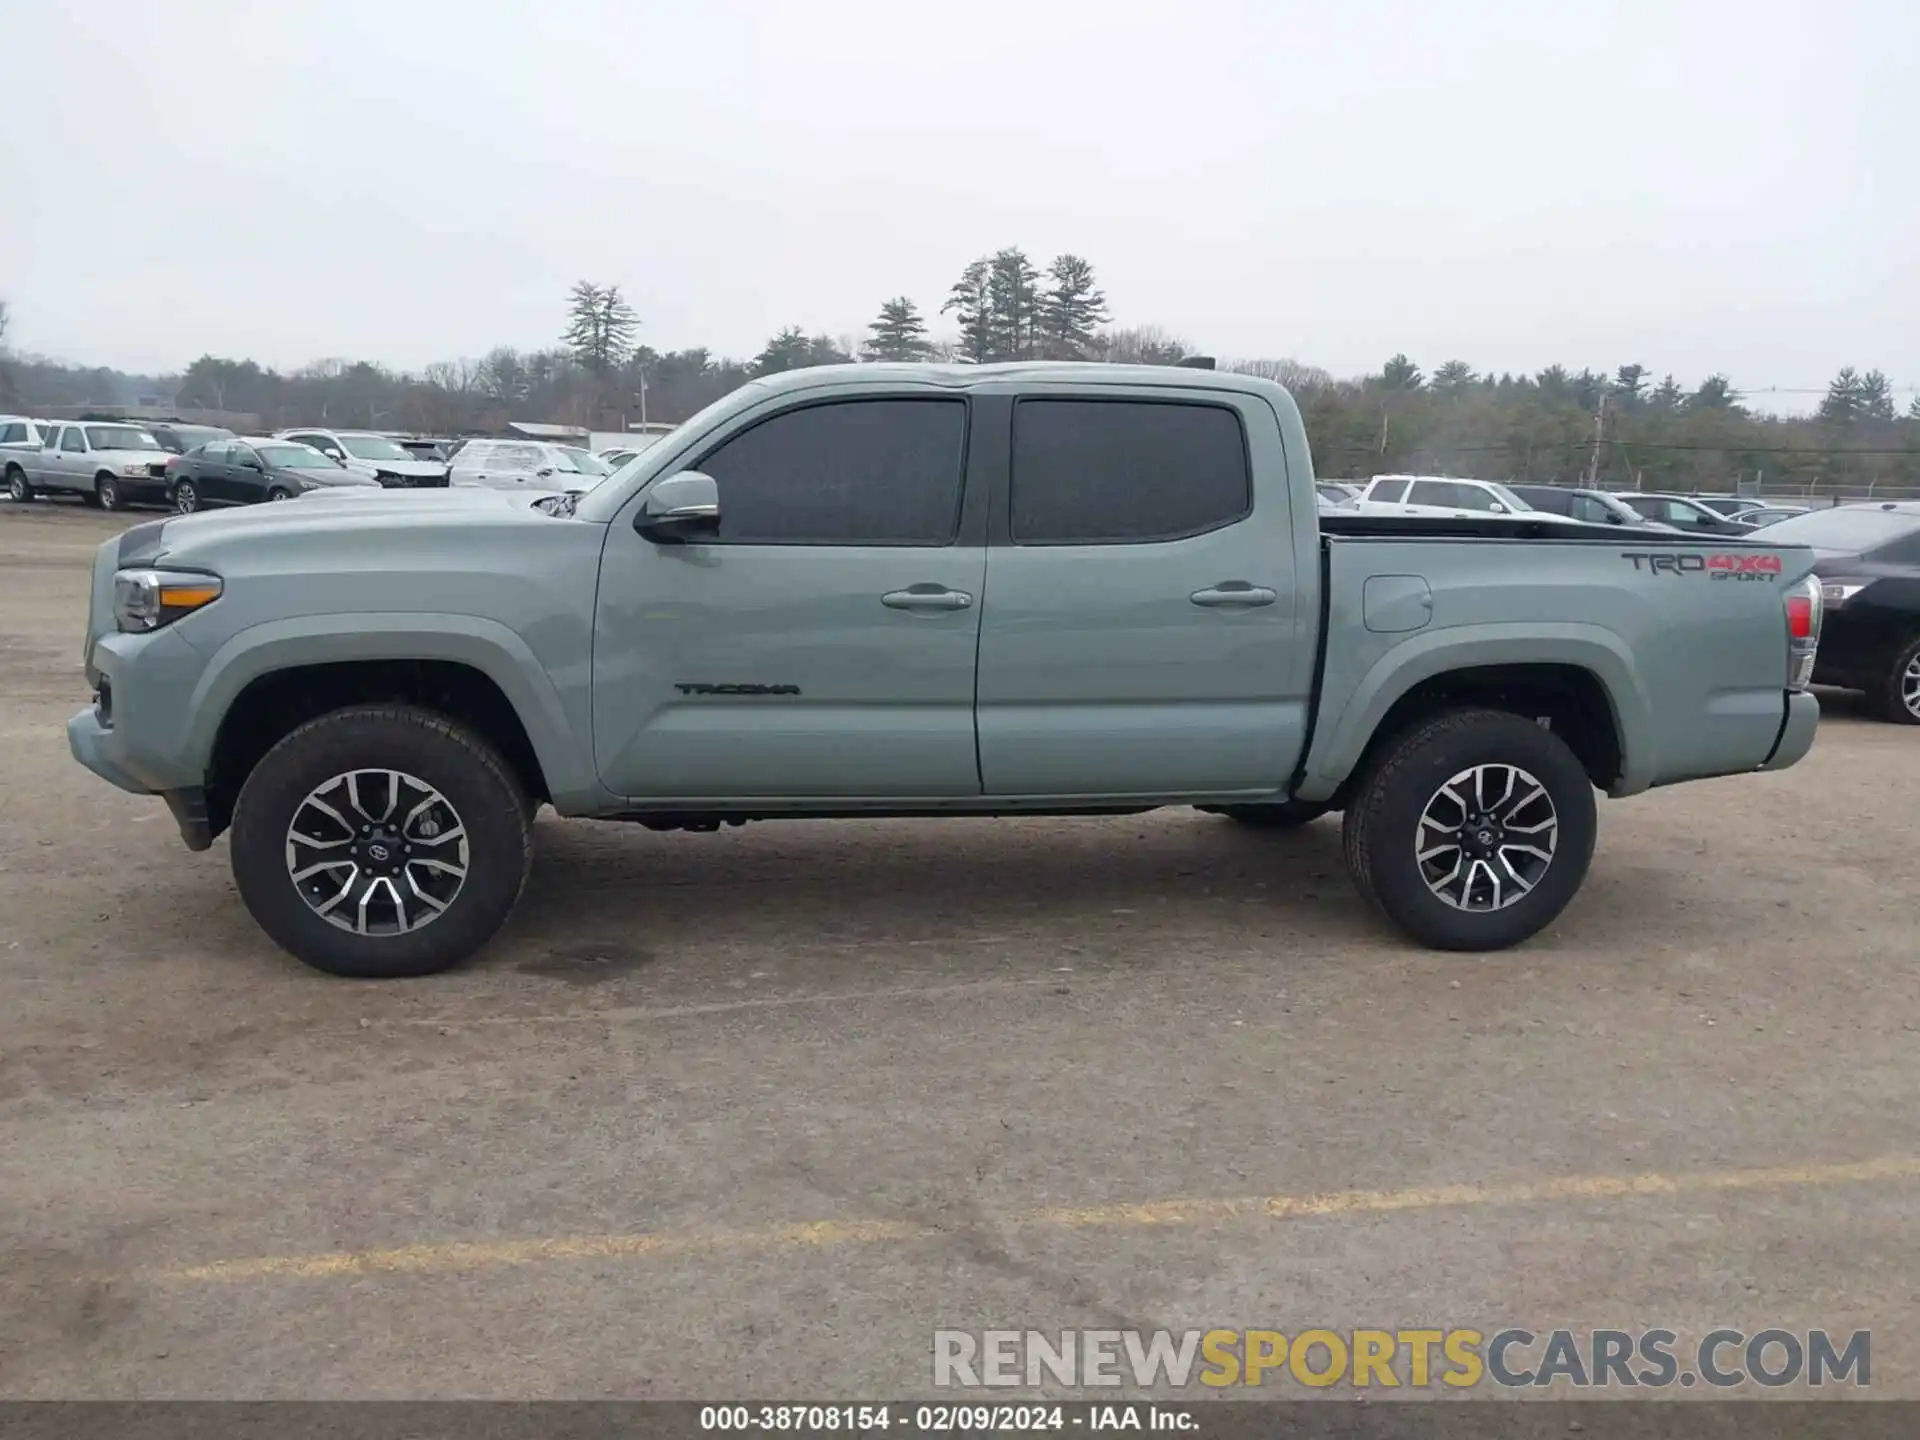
x,y
679,508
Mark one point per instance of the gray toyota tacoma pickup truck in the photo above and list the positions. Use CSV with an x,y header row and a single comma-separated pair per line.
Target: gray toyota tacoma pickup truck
x,y
922,591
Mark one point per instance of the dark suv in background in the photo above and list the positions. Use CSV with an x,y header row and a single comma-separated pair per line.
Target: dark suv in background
x,y
1868,560
177,437
1594,507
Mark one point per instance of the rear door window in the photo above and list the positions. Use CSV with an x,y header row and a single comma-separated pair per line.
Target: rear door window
x,y
1126,472
1390,491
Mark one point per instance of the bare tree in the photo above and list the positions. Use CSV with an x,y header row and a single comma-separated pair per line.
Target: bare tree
x,y
1290,373
1138,345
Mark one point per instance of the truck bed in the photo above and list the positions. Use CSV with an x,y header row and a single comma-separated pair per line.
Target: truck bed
x,y
1685,635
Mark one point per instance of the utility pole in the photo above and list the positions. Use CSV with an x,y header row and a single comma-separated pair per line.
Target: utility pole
x,y
1599,437
643,398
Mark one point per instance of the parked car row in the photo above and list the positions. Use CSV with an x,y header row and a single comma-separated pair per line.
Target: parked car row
x,y
191,467
1447,495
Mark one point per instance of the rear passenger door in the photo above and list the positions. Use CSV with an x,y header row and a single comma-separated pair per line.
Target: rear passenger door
x,y
1143,631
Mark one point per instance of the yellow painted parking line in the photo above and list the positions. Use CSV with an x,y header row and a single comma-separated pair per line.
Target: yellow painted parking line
x,y
833,1234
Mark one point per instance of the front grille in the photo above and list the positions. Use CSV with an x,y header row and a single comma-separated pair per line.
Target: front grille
x,y
158,472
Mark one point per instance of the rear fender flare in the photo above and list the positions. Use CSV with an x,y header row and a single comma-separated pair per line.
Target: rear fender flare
x,y
1341,740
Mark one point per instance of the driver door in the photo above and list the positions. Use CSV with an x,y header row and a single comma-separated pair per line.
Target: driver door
x,y
822,645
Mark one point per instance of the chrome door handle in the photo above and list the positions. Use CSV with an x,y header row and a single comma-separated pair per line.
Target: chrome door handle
x,y
1230,593
926,597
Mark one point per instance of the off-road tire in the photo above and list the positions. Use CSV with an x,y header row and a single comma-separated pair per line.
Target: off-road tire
x,y
1285,815
1383,820
19,488
462,766
1886,701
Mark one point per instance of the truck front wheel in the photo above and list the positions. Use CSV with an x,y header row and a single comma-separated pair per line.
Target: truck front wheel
x,y
381,841
1472,830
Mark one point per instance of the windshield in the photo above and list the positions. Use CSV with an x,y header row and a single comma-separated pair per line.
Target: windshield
x,y
585,462
295,457
373,447
1845,529
194,436
120,437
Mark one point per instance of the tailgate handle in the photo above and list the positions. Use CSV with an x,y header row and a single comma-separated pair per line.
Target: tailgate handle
x,y
1230,594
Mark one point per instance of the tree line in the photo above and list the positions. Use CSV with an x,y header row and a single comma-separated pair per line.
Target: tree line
x,y
1619,427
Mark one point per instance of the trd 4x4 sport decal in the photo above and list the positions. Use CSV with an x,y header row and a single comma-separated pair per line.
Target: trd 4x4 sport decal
x,y
1720,565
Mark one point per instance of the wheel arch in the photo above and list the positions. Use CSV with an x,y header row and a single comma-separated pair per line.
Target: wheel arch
x,y
269,679
1584,684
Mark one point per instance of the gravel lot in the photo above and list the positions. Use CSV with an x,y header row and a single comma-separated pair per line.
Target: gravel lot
x,y
753,1113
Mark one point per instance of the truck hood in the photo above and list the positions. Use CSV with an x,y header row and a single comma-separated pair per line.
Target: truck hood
x,y
361,517
373,542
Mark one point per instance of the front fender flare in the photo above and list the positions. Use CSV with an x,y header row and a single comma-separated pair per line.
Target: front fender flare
x,y
1341,740
485,645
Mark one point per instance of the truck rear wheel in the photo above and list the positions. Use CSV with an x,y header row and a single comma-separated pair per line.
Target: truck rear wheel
x,y
381,841
1472,830
1285,815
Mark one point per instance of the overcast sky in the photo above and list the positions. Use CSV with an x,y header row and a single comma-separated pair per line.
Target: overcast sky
x,y
1690,184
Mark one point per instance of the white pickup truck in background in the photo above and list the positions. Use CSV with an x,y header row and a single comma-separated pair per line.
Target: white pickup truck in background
x,y
1443,495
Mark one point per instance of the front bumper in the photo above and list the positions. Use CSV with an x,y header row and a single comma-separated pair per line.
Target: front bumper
x,y
1797,729
137,735
95,746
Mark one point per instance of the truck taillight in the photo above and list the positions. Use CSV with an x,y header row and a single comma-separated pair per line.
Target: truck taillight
x,y
1804,609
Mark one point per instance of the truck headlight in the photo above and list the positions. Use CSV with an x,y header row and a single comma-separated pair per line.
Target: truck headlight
x,y
1838,592
145,600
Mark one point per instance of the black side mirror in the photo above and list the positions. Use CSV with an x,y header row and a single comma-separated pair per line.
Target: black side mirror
x,y
680,508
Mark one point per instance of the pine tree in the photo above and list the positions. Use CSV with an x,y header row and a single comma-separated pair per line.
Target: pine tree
x,y
1013,296
1715,393
1453,377
1400,373
788,350
1876,397
1072,308
600,326
1841,404
898,334
971,304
